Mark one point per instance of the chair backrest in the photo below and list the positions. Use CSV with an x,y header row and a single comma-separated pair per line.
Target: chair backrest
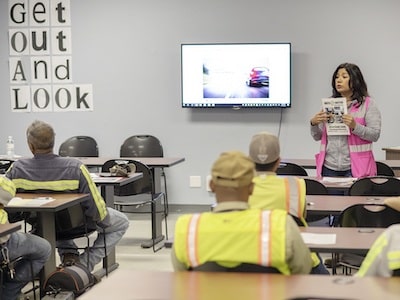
x,y
383,169
4,165
79,146
286,168
314,187
244,267
141,146
369,215
142,186
375,186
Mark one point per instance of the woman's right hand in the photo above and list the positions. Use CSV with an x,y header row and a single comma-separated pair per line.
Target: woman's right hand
x,y
319,118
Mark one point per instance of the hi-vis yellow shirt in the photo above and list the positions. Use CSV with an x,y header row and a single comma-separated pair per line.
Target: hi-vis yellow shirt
x,y
230,238
277,192
384,256
7,191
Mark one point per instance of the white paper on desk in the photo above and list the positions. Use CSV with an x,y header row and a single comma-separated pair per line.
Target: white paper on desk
x,y
319,238
16,201
340,180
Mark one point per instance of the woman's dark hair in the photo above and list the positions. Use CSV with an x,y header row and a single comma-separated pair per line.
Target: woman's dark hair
x,y
357,83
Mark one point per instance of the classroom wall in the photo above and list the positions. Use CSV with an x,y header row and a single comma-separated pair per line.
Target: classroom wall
x,y
130,52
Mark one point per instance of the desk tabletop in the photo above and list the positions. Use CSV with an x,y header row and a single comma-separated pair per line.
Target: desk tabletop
x,y
9,228
100,179
348,239
162,162
334,204
310,163
61,201
128,284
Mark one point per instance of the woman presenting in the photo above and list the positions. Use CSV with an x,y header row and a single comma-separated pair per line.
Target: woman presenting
x,y
348,155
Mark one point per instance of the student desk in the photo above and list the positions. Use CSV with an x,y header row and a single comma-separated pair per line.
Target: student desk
x,y
348,239
9,228
46,218
107,185
129,284
310,163
333,204
156,163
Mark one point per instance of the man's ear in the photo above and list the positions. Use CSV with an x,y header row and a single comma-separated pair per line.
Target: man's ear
x,y
277,164
211,185
251,188
31,147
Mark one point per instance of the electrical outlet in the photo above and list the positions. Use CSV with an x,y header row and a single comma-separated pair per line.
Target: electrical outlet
x,y
195,181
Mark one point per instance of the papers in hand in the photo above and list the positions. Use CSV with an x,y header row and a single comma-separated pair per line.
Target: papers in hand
x,y
17,201
319,238
335,108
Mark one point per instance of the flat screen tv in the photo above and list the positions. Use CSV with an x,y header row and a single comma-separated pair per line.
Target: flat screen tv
x,y
255,75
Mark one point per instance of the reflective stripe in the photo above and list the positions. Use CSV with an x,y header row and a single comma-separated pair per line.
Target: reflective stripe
x,y
191,240
287,193
394,260
293,197
373,253
299,199
7,185
98,199
265,236
3,216
57,185
360,148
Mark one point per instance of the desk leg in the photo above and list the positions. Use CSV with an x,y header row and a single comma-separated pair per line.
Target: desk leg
x,y
107,192
156,221
47,231
157,179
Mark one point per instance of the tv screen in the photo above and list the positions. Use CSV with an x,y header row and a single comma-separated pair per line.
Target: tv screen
x,y
236,75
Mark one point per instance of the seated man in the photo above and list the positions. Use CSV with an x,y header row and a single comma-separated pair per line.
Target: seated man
x,y
234,235
48,172
34,250
383,259
278,192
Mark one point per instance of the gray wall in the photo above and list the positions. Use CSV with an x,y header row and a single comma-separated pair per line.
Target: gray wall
x,y
119,46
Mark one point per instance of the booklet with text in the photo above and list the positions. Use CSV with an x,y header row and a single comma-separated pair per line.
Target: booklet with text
x,y
336,108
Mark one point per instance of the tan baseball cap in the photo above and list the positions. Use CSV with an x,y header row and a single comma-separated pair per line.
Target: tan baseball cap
x,y
233,169
264,148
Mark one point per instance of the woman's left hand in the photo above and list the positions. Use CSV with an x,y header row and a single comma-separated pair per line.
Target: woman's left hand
x,y
349,121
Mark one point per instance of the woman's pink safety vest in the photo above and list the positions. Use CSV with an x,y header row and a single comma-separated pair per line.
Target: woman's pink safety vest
x,y
361,156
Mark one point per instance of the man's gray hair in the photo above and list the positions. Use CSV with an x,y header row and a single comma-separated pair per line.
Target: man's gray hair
x,y
41,135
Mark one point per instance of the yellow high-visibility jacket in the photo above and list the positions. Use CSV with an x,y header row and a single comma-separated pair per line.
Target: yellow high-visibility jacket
x,y
248,236
384,256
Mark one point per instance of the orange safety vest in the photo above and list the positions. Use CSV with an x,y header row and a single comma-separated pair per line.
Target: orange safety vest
x,y
230,238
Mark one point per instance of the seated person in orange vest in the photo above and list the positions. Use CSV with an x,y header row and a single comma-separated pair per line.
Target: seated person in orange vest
x,y
278,192
234,237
